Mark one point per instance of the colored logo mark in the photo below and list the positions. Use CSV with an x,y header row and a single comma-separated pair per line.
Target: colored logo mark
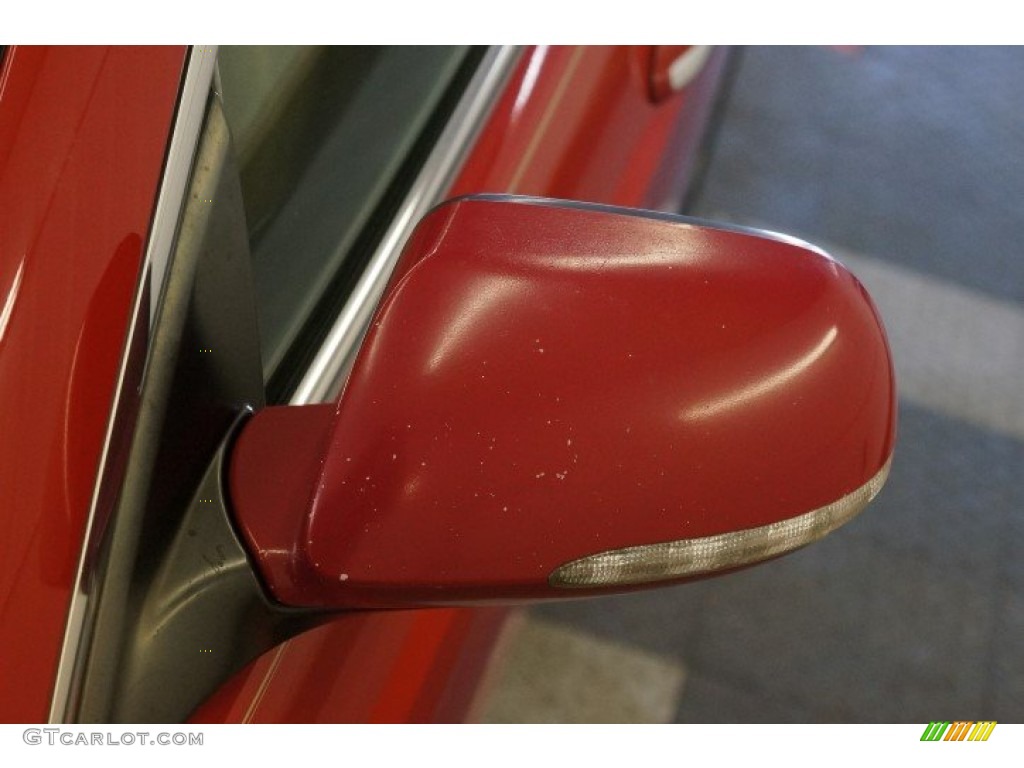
x,y
959,731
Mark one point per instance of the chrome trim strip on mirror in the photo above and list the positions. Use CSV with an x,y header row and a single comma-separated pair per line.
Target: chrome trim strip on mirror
x,y
691,557
199,70
673,218
325,375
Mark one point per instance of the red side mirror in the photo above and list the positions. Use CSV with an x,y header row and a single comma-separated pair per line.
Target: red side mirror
x,y
557,399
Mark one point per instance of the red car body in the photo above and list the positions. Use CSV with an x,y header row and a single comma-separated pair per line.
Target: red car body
x,y
84,134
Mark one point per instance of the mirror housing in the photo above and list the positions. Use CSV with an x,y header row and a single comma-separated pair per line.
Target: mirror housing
x,y
557,399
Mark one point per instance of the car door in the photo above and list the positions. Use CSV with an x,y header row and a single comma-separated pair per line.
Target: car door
x,y
581,123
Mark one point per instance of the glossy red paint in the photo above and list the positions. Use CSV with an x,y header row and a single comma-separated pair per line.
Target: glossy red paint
x,y
572,122
576,123
408,666
543,383
82,138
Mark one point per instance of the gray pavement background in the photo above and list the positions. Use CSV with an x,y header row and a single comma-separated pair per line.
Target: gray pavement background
x,y
912,161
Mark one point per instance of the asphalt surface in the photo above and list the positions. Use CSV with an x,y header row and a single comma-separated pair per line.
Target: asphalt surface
x,y
909,164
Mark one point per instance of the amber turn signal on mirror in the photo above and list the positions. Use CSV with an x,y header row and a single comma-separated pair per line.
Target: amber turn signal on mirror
x,y
557,399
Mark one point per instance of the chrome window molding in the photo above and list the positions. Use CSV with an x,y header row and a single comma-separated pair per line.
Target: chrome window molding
x,y
199,76
199,72
325,375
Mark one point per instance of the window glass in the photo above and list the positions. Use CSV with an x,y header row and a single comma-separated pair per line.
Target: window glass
x,y
321,134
